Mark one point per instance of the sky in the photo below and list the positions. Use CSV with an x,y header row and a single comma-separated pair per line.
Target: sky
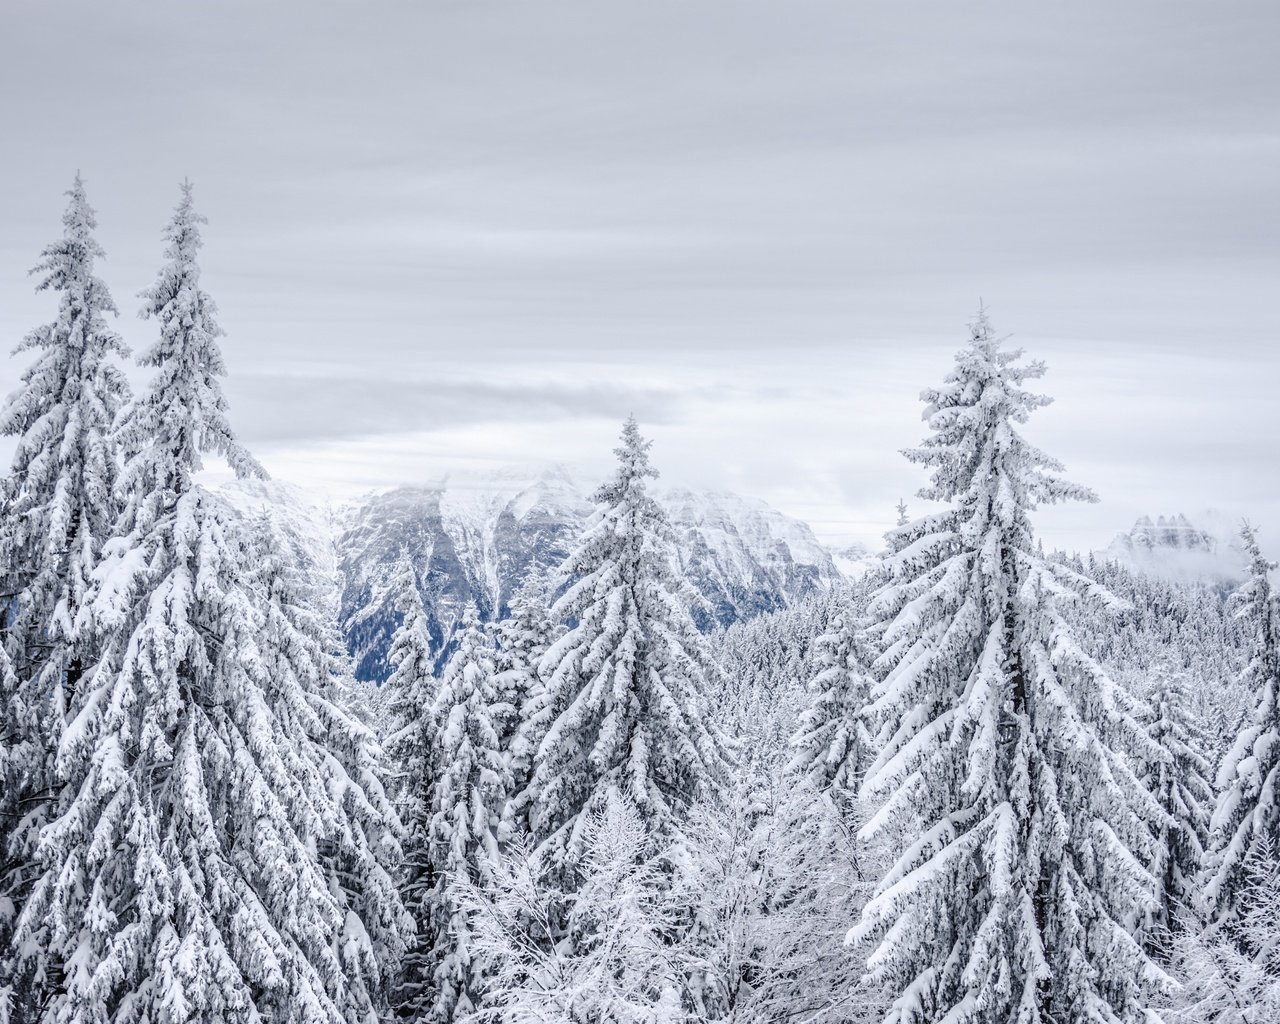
x,y
458,234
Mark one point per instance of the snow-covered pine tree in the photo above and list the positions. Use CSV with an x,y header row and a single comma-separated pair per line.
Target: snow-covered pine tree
x,y
626,686
622,967
1220,982
833,744
765,884
411,745
1178,779
522,638
470,792
362,855
59,508
185,879
1248,809
14,1005
1013,901
901,509
764,665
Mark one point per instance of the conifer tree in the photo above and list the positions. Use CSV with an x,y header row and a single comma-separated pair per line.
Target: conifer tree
x,y
363,855
832,744
1011,904
522,639
14,1006
1178,779
412,748
469,795
1248,809
59,508
621,968
188,876
1233,976
626,686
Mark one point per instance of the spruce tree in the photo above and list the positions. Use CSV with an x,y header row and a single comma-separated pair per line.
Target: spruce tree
x,y
59,508
188,876
522,639
1248,809
412,747
622,967
626,686
1178,778
832,744
1012,901
470,792
363,855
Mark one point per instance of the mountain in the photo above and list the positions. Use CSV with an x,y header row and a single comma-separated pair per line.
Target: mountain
x,y
743,556
305,520
854,561
480,539
1176,549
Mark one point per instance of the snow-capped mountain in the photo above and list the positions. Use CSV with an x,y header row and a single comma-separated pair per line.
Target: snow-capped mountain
x,y
305,520
743,556
854,560
478,539
1176,549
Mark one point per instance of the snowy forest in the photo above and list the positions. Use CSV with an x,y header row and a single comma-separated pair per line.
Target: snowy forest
x,y
979,782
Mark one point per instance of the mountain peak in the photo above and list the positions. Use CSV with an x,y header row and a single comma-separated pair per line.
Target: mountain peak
x,y
1180,549
477,537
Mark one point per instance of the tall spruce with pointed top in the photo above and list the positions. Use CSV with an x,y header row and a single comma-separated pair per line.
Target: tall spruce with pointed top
x,y
626,686
471,789
1012,901
1247,815
411,746
1178,779
187,877
59,509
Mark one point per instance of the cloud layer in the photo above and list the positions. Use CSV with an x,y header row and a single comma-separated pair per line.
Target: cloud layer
x,y
464,231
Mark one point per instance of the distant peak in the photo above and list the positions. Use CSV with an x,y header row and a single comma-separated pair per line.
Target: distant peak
x,y
1180,548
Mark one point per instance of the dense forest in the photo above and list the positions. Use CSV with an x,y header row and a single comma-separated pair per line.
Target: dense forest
x,y
978,783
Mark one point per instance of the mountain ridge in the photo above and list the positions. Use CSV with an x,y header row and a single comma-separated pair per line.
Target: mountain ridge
x,y
478,538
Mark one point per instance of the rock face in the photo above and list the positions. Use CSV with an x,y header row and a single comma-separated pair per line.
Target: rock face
x,y
472,544
1174,533
479,541
742,556
1176,549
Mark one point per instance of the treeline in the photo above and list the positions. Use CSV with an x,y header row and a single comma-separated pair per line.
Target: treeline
x,y
999,800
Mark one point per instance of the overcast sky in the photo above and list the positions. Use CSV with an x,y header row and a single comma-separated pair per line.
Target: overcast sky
x,y
461,234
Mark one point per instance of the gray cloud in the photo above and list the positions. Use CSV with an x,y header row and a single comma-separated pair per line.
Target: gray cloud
x,y
272,409
458,227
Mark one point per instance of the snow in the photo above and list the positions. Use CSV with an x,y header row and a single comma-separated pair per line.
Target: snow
x,y
1204,548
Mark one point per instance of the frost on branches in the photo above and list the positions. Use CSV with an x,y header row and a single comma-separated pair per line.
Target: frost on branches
x,y
1248,810
189,876
620,966
412,746
522,638
1221,983
362,856
1178,779
626,686
832,744
1012,901
766,883
59,509
470,791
